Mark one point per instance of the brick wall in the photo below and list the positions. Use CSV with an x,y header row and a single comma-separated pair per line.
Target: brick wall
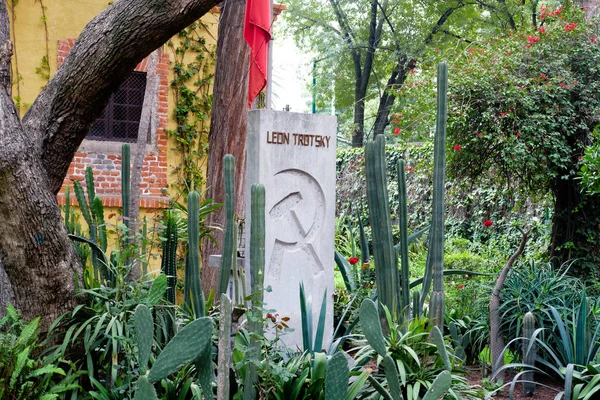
x,y
105,157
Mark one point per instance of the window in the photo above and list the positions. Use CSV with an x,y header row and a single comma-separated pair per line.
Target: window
x,y
121,118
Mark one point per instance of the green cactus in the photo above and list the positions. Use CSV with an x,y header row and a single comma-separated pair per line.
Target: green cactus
x,y
125,181
257,242
337,377
403,225
417,311
438,339
169,255
224,348
145,390
391,374
369,320
441,384
257,267
460,342
529,350
228,258
93,214
435,257
144,328
194,298
384,252
185,347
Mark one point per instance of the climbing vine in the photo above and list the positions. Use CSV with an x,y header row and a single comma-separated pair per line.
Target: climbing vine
x,y
192,91
44,69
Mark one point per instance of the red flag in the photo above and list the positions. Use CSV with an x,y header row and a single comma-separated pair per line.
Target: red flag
x,y
257,32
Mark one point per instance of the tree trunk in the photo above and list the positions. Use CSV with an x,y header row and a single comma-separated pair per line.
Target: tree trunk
x,y
228,125
38,257
147,125
496,340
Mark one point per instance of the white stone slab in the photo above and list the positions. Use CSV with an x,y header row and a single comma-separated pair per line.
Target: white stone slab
x,y
293,156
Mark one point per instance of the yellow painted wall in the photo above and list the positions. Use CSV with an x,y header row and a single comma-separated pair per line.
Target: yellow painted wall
x,y
65,19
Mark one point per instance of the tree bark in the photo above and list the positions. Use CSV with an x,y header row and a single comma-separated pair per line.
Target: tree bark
x,y
147,125
228,124
496,340
38,257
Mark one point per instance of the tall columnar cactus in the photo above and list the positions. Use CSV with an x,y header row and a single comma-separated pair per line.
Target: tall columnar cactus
x,y
529,350
384,252
224,361
229,256
93,214
257,267
194,297
435,257
403,225
125,181
169,255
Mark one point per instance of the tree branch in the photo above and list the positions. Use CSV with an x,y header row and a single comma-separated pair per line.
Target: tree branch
x,y
107,50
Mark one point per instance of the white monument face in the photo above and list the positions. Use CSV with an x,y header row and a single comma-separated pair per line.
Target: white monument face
x,y
293,156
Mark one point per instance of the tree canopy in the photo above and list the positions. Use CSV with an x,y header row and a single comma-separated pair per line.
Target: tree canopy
x,y
523,109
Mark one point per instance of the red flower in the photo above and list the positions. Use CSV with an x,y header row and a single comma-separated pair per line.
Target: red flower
x,y
592,39
396,131
362,159
353,260
570,27
543,76
487,223
479,134
542,30
460,287
533,39
502,114
457,147
518,134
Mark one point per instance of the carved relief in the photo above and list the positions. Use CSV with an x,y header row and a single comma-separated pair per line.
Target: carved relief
x,y
298,215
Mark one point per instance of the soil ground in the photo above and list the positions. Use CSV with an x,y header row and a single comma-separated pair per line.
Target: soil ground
x,y
546,390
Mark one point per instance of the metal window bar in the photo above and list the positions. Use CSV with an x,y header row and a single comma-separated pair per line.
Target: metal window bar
x,y
121,118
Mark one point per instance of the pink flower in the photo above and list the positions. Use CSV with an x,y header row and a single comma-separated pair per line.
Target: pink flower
x,y
353,260
518,134
460,287
502,114
592,39
479,134
543,76
409,169
487,223
457,147
542,30
396,131
533,39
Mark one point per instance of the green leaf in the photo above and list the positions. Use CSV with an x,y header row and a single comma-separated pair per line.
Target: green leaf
x,y
157,290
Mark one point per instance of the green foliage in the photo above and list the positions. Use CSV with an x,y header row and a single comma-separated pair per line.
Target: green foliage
x,y
525,123
534,288
30,368
192,90
416,361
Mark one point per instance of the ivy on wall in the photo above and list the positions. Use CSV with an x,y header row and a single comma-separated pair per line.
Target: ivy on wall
x,y
43,69
191,86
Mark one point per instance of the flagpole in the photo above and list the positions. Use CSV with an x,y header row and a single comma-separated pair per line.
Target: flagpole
x,y
269,63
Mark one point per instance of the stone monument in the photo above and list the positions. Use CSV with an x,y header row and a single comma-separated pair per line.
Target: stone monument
x,y
293,156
